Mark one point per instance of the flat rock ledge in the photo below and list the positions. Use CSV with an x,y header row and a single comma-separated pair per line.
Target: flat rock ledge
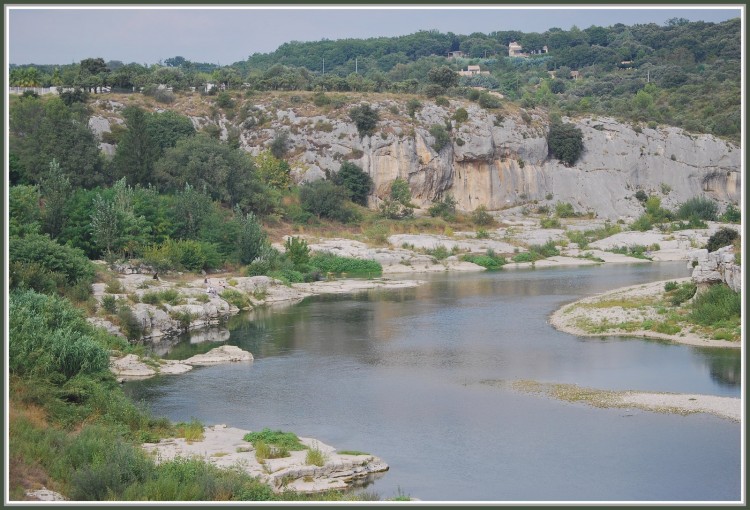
x,y
44,494
225,447
132,367
565,318
729,408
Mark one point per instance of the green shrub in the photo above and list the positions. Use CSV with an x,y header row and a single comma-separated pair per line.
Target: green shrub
x,y
488,261
472,94
315,457
325,199
365,118
545,250
320,99
107,468
191,431
178,255
550,223
480,216
413,106
564,210
489,101
703,208
377,233
641,196
329,263
482,234
670,286
170,296
34,276
398,205
439,252
461,115
524,257
666,328
643,223
49,256
441,136
109,303
224,100
682,293
716,305
236,298
278,438
732,214
287,276
50,336
352,178
129,324
442,101
565,142
445,208
297,250
723,237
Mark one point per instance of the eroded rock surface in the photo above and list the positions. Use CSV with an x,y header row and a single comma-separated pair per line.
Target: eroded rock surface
x,y
225,447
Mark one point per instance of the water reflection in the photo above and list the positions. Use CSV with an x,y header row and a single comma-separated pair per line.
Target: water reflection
x,y
396,373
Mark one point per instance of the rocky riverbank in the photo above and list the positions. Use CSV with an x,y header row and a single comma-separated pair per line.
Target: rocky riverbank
x,y
163,308
632,311
225,447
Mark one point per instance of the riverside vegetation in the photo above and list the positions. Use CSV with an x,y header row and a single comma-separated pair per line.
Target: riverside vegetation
x,y
173,199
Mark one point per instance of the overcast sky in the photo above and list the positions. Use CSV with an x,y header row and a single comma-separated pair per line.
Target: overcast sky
x,y
42,35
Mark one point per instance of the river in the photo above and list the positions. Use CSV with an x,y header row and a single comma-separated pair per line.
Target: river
x,y
404,375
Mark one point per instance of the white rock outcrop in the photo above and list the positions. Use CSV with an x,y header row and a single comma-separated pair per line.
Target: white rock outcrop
x,y
225,447
131,366
716,267
505,162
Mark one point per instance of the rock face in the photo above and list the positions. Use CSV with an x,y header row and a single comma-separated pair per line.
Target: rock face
x,y
501,164
501,159
716,267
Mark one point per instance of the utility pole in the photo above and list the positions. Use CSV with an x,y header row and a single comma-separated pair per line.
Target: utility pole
x,y
356,67
648,75
324,66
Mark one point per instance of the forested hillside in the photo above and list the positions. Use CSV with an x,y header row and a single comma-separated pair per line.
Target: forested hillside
x,y
685,74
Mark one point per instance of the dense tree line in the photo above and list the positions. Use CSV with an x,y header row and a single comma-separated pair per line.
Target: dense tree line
x,y
693,69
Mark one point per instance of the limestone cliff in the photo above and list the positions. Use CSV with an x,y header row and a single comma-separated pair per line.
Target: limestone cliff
x,y
496,158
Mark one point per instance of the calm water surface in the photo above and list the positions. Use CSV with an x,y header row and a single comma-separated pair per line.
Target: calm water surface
x,y
411,376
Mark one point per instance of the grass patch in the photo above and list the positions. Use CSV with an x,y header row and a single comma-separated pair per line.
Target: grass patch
x,y
315,457
439,252
169,296
489,261
637,251
329,263
550,223
265,451
278,438
191,431
236,298
716,306
352,452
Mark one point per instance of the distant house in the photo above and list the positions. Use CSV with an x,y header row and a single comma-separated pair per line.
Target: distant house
x,y
515,50
575,74
472,71
455,54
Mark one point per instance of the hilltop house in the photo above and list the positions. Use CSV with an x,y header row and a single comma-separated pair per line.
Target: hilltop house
x,y
516,50
472,71
455,54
